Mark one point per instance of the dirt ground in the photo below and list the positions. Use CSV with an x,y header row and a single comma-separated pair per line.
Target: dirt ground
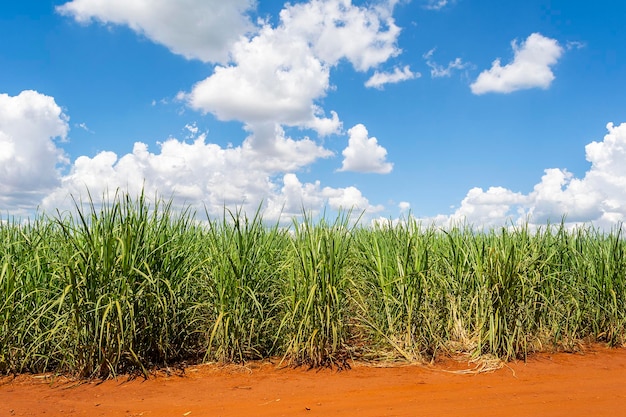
x,y
590,384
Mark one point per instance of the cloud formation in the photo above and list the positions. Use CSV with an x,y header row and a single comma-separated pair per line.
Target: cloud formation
x,y
438,71
364,154
274,75
295,196
280,73
263,167
379,79
436,4
530,68
267,76
203,174
337,29
195,29
598,197
273,79
31,125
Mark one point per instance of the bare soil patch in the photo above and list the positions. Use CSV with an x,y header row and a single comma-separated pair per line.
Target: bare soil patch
x,y
560,384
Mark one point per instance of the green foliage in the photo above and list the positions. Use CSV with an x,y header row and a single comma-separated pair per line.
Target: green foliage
x,y
241,283
316,292
393,261
104,292
131,285
504,293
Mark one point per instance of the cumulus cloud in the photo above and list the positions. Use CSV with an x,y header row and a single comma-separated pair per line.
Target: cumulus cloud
x,y
196,29
530,68
271,150
275,75
599,197
280,73
266,76
379,79
337,29
30,159
295,196
274,79
489,208
438,71
200,174
364,154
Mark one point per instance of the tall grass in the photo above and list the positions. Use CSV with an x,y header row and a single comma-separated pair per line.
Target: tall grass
x,y
392,275
505,293
133,284
316,291
242,285
106,290
28,296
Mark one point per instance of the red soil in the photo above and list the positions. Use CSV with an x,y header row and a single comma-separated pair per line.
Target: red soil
x,y
593,384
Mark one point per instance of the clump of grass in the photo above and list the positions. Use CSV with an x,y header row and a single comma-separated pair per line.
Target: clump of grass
x,y
316,301
128,268
28,296
392,267
100,292
134,284
242,285
502,293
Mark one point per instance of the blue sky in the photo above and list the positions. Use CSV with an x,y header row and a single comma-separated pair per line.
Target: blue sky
x,y
451,109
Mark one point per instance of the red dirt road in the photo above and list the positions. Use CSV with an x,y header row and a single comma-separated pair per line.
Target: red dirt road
x,y
593,384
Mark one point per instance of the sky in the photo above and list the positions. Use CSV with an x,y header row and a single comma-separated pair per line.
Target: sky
x,y
487,112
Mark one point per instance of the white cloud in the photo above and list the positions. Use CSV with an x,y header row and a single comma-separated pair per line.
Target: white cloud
x,y
279,74
274,79
192,130
560,192
488,208
295,196
438,71
575,45
379,79
531,67
275,74
404,206
364,154
436,4
204,174
337,29
202,29
29,157
270,150
84,127
268,76
599,197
